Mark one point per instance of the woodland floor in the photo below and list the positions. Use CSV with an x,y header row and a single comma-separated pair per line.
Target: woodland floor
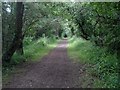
x,y
55,70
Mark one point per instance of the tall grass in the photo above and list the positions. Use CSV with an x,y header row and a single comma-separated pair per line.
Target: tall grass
x,y
104,65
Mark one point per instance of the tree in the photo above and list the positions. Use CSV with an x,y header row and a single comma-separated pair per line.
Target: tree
x,y
17,41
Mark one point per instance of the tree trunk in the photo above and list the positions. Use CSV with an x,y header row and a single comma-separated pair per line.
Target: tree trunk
x,y
19,23
18,38
84,34
72,31
20,48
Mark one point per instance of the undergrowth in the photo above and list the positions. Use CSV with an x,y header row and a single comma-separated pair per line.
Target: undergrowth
x,y
104,65
33,52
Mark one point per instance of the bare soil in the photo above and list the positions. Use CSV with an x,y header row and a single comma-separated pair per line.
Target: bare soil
x,y
55,70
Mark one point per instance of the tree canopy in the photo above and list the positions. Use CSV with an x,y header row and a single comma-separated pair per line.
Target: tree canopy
x,y
98,22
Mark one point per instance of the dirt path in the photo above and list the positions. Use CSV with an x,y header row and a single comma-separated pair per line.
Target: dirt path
x,y
55,70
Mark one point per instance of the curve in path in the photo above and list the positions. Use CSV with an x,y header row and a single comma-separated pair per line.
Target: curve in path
x,y
55,70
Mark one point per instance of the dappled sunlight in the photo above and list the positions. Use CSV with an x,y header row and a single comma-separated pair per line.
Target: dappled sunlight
x,y
63,45
73,42
51,45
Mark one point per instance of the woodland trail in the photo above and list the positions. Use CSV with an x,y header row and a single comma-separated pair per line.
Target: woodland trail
x,y
54,70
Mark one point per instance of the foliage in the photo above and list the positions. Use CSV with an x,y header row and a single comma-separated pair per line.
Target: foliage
x,y
99,22
103,65
34,51
42,23
38,19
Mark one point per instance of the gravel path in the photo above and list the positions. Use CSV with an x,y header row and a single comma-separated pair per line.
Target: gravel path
x,y
55,70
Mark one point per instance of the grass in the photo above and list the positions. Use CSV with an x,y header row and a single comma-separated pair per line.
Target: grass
x,y
38,49
104,66
33,52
